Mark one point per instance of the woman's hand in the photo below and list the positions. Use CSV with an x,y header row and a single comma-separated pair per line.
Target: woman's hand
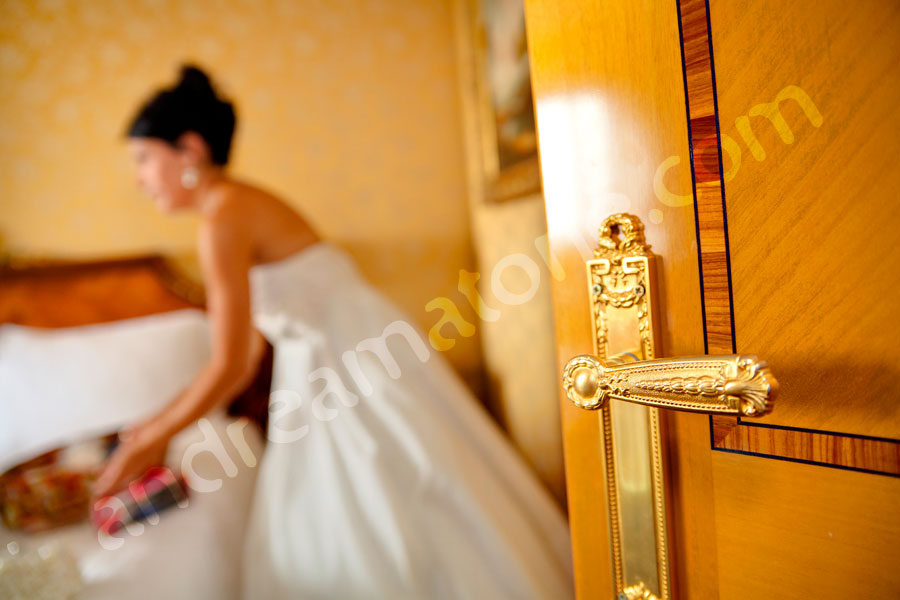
x,y
141,447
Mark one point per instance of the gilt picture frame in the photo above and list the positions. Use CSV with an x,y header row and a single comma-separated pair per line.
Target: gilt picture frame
x,y
501,103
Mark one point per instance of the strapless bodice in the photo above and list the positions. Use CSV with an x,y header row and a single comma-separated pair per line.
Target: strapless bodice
x,y
290,296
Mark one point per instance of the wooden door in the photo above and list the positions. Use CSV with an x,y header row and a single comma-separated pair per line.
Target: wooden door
x,y
758,143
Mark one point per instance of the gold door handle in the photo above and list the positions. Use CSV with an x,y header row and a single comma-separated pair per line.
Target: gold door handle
x,y
731,385
622,296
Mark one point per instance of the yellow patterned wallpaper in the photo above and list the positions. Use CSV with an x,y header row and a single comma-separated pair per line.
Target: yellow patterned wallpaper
x,y
347,108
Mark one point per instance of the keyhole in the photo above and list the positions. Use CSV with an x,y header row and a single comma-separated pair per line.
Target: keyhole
x,y
614,235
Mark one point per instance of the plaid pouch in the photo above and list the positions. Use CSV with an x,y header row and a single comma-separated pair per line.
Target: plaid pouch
x,y
160,488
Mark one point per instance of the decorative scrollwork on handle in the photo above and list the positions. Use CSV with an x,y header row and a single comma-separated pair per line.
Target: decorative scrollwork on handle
x,y
637,592
619,276
733,384
630,240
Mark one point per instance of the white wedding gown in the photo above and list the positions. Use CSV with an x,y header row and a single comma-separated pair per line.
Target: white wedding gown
x,y
382,476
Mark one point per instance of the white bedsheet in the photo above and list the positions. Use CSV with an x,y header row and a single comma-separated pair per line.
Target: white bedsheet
x,y
192,552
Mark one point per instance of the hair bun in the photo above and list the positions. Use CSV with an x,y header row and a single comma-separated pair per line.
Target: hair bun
x,y
191,104
195,83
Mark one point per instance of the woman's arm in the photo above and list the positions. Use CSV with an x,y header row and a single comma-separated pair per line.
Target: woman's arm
x,y
225,254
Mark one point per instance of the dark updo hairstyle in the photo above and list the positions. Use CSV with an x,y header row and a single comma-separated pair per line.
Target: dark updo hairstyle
x,y
191,105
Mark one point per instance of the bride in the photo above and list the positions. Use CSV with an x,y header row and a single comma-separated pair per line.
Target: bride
x,y
382,477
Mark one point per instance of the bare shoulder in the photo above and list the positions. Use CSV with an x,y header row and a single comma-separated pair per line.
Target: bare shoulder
x,y
264,221
230,201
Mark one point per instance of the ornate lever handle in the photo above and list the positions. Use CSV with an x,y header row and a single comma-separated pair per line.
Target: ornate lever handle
x,y
732,384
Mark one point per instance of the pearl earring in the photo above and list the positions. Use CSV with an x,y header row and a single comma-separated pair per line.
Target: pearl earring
x,y
189,177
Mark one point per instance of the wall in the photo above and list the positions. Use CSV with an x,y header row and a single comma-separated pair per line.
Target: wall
x,y
518,344
519,347
348,109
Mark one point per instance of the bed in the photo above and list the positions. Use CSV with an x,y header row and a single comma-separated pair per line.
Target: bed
x,y
88,345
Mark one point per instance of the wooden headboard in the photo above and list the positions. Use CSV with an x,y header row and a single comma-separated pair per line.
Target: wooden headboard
x,y
53,293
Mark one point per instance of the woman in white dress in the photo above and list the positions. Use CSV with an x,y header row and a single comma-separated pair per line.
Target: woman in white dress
x,y
383,477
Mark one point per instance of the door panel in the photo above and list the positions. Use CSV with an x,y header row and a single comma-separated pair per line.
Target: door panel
x,y
812,204
789,530
629,121
712,162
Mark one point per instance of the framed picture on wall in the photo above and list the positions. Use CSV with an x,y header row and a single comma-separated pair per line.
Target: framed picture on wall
x,y
503,102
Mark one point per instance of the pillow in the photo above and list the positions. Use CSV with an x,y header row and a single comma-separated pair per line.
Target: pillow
x,y
62,385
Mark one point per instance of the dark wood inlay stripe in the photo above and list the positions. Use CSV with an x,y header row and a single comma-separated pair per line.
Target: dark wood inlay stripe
x,y
849,452
707,168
